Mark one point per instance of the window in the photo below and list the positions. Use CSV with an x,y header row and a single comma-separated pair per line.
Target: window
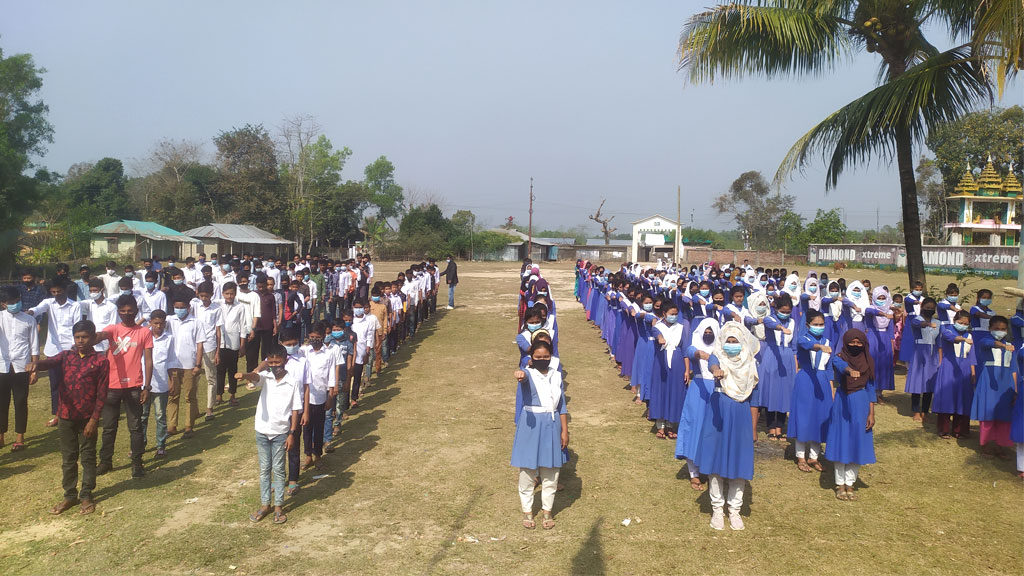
x,y
657,224
112,246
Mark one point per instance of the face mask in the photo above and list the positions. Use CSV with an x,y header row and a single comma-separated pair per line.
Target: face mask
x,y
214,261
833,294
111,272
271,266
816,330
279,371
782,315
348,323
95,295
344,268
179,281
358,312
292,349
226,267
812,289
855,350
880,302
952,298
671,319
927,312
150,285
855,293
648,307
337,334
732,349
316,342
375,298
917,293
541,365
999,334
897,305
533,327
126,292
961,327
14,308
709,339
181,313
985,302
761,309
542,294
705,293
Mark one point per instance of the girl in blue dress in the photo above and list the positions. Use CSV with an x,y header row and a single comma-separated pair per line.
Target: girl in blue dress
x,y
850,442
857,300
924,362
542,433
811,406
832,309
672,371
778,366
949,306
981,313
954,381
691,423
643,356
726,449
993,399
879,326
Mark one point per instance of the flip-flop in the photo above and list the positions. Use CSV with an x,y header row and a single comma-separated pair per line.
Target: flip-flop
x,y
280,518
88,507
292,490
528,522
671,435
17,447
548,522
815,464
258,515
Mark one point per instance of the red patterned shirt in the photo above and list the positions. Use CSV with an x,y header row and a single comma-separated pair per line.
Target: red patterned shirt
x,y
86,378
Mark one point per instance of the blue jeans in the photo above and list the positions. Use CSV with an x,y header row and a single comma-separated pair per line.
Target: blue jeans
x,y
451,295
271,458
158,402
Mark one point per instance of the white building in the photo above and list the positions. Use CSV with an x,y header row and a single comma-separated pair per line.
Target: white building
x,y
651,238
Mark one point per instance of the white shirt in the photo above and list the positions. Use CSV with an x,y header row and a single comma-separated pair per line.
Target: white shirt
x,y
110,287
251,301
187,333
344,281
313,294
102,314
298,366
18,341
323,372
59,335
278,398
210,318
365,329
165,357
274,273
193,276
155,300
235,325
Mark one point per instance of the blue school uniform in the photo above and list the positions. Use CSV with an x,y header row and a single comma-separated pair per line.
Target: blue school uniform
x,y
847,441
538,438
954,391
726,446
626,346
913,308
946,311
834,323
556,364
811,406
924,361
698,393
668,384
979,324
993,396
643,356
880,344
777,369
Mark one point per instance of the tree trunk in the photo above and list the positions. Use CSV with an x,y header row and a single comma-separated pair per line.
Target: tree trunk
x,y
911,212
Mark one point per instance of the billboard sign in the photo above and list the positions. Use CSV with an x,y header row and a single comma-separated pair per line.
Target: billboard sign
x,y
985,260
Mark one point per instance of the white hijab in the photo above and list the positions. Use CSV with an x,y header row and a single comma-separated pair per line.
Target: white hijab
x,y
740,370
755,300
791,286
814,298
862,301
697,341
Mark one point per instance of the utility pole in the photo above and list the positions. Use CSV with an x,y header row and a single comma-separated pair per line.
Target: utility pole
x,y
529,245
877,229
677,249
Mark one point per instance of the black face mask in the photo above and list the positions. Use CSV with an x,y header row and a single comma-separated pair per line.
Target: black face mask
x,y
316,342
927,312
279,371
709,339
541,365
855,350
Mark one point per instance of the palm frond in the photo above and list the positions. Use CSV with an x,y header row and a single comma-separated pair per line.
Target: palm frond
x,y
939,90
766,37
999,37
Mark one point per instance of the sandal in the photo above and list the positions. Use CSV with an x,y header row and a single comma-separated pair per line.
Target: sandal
x,y
946,436
696,484
17,447
280,518
259,514
841,493
528,522
63,506
548,522
816,465
292,490
671,435
802,466
849,493
88,507
660,434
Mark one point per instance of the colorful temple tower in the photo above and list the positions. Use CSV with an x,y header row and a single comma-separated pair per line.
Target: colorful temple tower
x,y
988,209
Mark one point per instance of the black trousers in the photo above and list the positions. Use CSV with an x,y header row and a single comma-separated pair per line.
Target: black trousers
x,y
227,368
357,378
74,446
14,385
293,454
313,433
257,349
131,399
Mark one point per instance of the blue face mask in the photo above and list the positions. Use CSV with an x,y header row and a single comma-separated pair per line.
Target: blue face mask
x,y
985,302
671,319
292,349
812,289
533,327
880,302
179,281
816,330
952,298
705,293
961,327
226,267
337,334
917,293
833,294
648,307
375,298
150,285
126,292
732,348
348,323
181,313
999,334
14,308
782,315
764,282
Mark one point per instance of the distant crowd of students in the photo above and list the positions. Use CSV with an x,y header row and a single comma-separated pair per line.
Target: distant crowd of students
x,y
310,334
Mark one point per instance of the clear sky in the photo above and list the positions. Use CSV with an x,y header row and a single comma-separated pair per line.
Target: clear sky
x,y
469,99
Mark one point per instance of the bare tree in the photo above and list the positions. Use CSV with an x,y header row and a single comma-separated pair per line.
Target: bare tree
x,y
170,160
416,196
295,134
604,222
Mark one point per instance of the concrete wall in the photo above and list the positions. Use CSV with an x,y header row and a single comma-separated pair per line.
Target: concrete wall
x,y
985,260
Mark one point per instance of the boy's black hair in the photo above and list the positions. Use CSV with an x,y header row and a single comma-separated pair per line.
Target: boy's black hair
x,y
288,334
229,286
319,327
127,300
997,319
83,326
180,297
96,283
205,288
125,283
278,351
11,294
151,276
159,314
532,313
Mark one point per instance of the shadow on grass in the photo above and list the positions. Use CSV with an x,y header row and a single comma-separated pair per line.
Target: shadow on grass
x,y
573,485
165,475
456,529
590,558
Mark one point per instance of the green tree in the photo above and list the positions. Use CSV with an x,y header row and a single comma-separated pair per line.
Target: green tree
x,y
385,194
826,228
934,206
791,227
974,138
920,87
247,161
24,132
756,208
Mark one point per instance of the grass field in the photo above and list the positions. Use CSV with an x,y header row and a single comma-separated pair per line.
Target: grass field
x,y
420,483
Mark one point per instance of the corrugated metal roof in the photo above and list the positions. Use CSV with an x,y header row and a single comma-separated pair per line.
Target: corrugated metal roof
x,y
613,242
241,233
150,230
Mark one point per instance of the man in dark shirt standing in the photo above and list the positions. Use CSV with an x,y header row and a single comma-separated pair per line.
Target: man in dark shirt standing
x,y
266,325
81,396
177,288
451,278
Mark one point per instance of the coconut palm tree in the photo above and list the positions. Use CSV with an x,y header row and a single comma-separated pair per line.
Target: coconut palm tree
x,y
919,86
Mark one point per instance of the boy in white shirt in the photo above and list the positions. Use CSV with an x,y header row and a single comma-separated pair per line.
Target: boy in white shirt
x,y
236,326
277,420
152,298
209,315
251,300
165,359
101,311
365,327
188,347
110,280
323,372
19,347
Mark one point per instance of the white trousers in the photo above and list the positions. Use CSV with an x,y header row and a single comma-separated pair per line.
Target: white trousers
x,y
1020,456
735,492
691,467
803,447
548,487
210,368
846,474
